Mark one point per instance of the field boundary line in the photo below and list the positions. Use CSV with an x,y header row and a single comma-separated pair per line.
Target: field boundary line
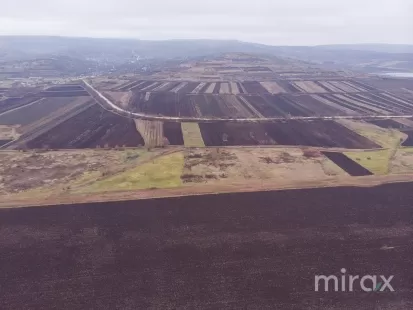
x,y
358,182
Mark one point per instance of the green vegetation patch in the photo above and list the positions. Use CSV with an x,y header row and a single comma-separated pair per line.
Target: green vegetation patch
x,y
375,161
161,172
192,135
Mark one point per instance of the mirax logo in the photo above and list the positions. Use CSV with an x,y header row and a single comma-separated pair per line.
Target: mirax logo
x,y
350,283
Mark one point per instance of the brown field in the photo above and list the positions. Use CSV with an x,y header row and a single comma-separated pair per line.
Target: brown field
x,y
33,112
94,127
232,251
9,104
314,133
347,164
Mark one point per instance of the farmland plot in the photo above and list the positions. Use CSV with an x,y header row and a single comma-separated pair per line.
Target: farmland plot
x,y
240,165
33,112
286,106
162,103
317,133
221,134
198,88
173,133
234,88
261,105
318,107
230,242
192,135
273,87
330,87
254,88
368,107
210,88
289,87
16,102
309,87
236,108
76,93
151,132
347,164
382,102
224,89
65,88
92,128
188,88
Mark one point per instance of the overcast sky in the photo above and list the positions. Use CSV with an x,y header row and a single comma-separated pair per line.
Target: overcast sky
x,y
285,22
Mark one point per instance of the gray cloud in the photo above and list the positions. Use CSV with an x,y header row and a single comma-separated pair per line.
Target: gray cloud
x,y
292,22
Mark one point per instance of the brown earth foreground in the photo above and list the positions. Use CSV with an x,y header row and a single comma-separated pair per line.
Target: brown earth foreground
x,y
257,250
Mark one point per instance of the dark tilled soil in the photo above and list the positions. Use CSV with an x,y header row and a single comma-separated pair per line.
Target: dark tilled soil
x,y
188,88
94,127
231,251
75,93
35,112
254,88
216,88
220,134
317,133
387,123
409,140
3,142
162,103
173,132
65,88
16,102
347,164
264,105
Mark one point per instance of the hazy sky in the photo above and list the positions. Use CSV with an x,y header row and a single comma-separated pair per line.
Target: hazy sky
x,y
285,22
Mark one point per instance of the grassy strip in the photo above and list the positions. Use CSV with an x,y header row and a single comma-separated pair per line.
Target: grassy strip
x,y
162,172
375,161
192,135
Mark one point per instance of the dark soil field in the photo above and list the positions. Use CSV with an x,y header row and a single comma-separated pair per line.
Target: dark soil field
x,y
287,106
216,88
3,142
92,128
317,107
252,69
254,88
263,106
317,133
347,164
188,88
75,93
389,84
128,86
288,86
34,112
12,103
409,140
173,132
230,251
209,105
162,103
220,134
289,132
387,123
65,88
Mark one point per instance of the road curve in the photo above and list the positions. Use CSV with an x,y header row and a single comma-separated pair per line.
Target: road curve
x,y
109,105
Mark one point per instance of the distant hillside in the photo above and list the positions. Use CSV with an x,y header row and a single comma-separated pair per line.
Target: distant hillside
x,y
118,51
